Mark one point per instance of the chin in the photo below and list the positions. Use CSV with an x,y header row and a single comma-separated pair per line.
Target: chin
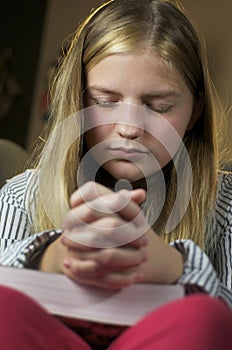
x,y
132,178
128,174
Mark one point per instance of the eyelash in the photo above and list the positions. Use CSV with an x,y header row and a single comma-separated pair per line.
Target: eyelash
x,y
160,110
104,104
110,104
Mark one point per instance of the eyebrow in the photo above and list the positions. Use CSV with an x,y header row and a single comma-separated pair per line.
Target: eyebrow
x,y
156,94
102,89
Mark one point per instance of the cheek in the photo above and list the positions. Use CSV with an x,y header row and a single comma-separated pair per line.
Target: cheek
x,y
159,152
166,134
164,139
97,135
180,126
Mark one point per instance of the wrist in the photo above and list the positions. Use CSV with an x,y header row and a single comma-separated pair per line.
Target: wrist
x,y
51,260
165,264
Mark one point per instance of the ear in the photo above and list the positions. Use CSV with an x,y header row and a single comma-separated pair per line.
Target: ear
x,y
198,106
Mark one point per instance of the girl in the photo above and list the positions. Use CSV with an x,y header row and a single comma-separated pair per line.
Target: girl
x,y
132,109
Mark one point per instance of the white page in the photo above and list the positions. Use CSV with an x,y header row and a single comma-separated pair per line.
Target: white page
x,y
61,296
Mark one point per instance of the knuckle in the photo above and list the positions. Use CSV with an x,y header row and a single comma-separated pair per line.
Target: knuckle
x,y
85,269
88,238
85,189
95,269
91,186
113,223
88,185
108,257
89,211
78,270
117,203
73,215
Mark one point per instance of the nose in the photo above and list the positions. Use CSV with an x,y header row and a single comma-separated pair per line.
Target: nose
x,y
130,124
128,131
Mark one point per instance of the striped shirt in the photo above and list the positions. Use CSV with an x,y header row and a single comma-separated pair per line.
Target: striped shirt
x,y
211,272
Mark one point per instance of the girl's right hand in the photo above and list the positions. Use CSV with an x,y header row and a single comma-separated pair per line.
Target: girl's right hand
x,y
85,260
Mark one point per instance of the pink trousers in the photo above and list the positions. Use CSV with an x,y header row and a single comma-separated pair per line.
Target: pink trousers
x,y
196,322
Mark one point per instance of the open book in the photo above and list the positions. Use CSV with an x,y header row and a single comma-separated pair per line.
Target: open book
x,y
62,297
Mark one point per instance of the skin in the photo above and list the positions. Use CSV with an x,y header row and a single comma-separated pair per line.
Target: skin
x,y
142,80
148,82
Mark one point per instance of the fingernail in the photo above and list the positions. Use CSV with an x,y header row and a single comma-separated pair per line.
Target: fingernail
x,y
67,263
139,276
144,240
144,256
62,239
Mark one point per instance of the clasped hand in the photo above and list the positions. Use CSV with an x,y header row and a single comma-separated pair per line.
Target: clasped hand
x,y
104,237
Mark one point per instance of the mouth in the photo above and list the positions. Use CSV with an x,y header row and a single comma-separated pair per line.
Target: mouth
x,y
129,150
128,153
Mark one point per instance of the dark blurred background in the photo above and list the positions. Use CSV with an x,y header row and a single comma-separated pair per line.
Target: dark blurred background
x,y
21,26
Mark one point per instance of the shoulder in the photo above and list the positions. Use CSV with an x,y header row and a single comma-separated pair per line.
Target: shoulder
x,y
17,190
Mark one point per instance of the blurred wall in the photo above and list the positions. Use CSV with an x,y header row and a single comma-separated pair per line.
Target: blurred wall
x,y
212,18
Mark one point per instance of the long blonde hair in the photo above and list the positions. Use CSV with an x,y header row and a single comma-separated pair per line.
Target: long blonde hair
x,y
122,26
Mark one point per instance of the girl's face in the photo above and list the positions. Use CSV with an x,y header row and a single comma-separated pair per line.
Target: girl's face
x,y
140,109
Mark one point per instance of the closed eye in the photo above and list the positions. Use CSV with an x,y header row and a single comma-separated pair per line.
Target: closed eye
x,y
159,109
104,103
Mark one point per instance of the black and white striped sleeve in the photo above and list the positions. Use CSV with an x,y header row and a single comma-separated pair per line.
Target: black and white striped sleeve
x,y
198,269
24,252
215,278
224,246
200,274
18,245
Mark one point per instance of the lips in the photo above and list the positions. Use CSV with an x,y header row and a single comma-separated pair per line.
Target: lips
x,y
127,153
129,150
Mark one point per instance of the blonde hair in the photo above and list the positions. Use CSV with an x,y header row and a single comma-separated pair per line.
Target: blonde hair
x,y
122,26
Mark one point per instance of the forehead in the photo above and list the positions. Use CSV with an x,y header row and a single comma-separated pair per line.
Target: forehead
x,y
136,69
